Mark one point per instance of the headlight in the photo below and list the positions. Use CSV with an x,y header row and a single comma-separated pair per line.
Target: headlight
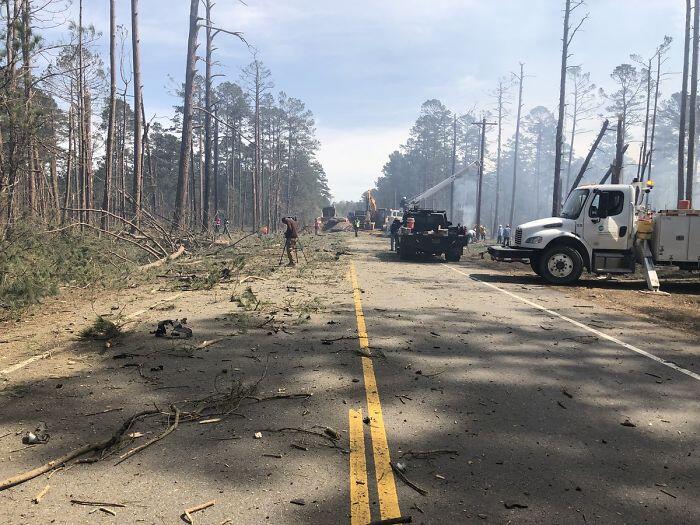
x,y
533,240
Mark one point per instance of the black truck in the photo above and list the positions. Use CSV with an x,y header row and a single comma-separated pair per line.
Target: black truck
x,y
429,232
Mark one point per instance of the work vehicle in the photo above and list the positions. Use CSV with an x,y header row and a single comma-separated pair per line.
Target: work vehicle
x,y
605,229
429,232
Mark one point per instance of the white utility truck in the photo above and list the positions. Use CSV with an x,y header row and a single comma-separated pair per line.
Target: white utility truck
x,y
605,229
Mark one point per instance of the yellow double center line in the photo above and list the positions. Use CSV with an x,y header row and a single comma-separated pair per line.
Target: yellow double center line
x,y
386,486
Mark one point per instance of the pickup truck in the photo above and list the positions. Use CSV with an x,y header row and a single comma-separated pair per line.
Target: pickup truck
x,y
603,229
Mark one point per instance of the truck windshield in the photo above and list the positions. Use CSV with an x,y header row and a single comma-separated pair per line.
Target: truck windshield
x,y
574,204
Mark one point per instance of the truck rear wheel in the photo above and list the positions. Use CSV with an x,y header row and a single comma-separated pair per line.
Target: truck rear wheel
x,y
453,255
561,265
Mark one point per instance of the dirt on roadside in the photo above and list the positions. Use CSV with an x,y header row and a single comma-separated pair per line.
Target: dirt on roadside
x,y
677,307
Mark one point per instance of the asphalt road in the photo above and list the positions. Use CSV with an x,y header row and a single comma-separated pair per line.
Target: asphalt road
x,y
500,399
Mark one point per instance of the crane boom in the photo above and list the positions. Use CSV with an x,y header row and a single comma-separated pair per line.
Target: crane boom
x,y
440,185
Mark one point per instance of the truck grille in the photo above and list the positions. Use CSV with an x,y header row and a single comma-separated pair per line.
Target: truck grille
x,y
518,236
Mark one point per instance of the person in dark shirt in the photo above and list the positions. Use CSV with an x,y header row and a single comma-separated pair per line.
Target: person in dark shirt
x,y
290,238
394,233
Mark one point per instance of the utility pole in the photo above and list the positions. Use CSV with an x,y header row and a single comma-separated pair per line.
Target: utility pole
x,y
693,104
454,165
482,153
517,144
684,102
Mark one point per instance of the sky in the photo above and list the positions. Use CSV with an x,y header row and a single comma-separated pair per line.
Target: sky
x,y
364,67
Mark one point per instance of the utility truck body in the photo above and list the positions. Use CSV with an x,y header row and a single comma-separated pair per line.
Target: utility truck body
x,y
604,230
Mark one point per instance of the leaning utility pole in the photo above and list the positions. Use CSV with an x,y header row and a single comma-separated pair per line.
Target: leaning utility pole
x,y
186,141
693,104
517,143
482,154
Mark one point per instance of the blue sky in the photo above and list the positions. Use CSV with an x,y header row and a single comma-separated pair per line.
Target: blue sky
x,y
364,67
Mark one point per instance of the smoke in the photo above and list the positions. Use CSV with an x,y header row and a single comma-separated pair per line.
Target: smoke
x,y
465,201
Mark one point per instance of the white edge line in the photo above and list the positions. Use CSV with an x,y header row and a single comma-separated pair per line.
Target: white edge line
x,y
26,362
584,327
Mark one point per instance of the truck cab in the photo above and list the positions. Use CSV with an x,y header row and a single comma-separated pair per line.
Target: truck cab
x,y
595,231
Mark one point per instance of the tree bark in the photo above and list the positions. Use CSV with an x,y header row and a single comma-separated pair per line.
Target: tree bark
x,y
185,144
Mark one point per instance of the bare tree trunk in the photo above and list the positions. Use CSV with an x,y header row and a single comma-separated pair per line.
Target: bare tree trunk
x,y
517,144
650,155
185,144
257,168
137,186
619,151
501,91
556,195
109,157
684,107
693,104
216,167
207,121
643,149
69,164
89,172
28,124
81,178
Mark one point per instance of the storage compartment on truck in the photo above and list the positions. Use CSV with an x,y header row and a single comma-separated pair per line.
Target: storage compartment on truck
x,y
675,236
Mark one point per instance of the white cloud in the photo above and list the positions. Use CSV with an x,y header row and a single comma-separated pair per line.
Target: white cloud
x,y
353,158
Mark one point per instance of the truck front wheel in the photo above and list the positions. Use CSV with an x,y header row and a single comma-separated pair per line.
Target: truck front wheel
x,y
535,265
561,265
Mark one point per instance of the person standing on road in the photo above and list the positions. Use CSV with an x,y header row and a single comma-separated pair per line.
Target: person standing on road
x,y
356,225
506,235
471,237
290,238
394,233
317,225
499,238
482,232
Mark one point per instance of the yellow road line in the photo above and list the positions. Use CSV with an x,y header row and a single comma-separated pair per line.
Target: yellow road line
x,y
359,490
388,499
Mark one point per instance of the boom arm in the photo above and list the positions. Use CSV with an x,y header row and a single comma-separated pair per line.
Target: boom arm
x,y
440,185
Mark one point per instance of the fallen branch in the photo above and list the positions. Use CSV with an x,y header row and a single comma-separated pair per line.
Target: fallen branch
x,y
93,447
393,521
186,516
161,262
37,499
422,454
150,442
96,503
407,481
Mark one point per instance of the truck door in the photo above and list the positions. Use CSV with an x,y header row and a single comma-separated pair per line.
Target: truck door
x,y
606,221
